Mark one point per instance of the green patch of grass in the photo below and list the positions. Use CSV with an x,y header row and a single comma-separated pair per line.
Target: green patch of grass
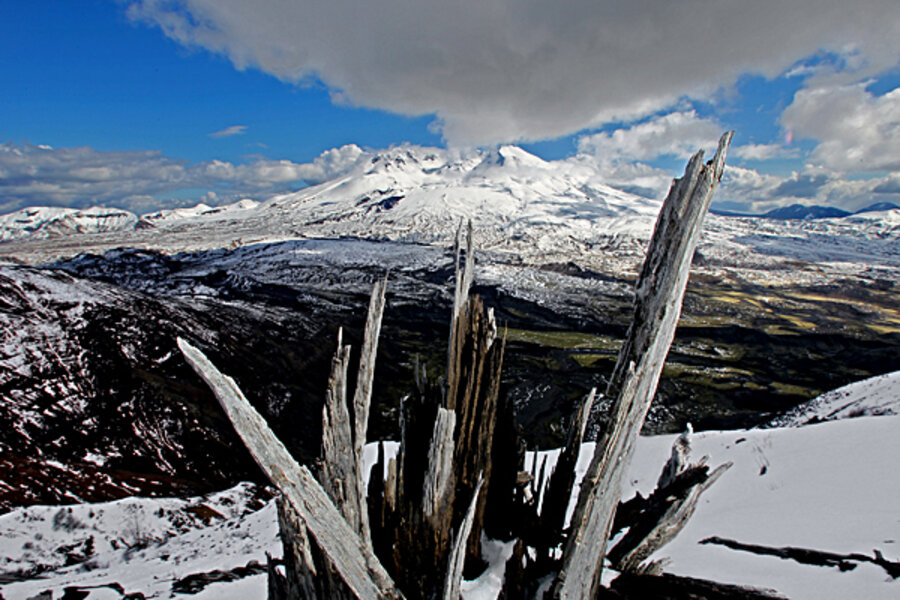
x,y
787,389
566,340
587,360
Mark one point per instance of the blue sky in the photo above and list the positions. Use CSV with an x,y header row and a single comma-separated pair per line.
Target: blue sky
x,y
146,104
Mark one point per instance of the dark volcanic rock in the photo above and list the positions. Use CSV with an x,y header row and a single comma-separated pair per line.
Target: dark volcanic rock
x,y
97,402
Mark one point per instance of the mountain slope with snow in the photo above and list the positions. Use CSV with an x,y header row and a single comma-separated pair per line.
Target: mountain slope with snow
x,y
406,193
49,222
871,397
524,208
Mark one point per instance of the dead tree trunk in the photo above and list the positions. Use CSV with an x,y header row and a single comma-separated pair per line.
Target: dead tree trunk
x,y
428,515
430,519
345,550
658,297
340,468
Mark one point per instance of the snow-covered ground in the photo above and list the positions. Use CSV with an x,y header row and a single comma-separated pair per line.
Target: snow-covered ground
x,y
830,486
144,545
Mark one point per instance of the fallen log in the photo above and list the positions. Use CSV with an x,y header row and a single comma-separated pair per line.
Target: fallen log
x,y
655,521
632,586
844,562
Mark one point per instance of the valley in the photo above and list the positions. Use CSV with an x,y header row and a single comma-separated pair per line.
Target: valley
x,y
108,399
98,403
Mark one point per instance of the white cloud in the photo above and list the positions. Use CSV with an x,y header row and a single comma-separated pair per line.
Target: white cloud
x,y
79,177
856,130
748,190
619,155
678,134
762,152
499,70
229,131
888,185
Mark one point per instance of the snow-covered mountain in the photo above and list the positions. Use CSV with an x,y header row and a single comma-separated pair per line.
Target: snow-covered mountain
x,y
53,222
48,222
193,212
406,193
530,210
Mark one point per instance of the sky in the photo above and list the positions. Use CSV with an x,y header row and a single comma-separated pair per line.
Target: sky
x,y
149,104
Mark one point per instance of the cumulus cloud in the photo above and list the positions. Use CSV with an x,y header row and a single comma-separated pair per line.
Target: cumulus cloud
x,y
83,176
33,175
636,178
889,185
229,131
801,185
621,155
499,70
677,134
762,152
856,130
748,190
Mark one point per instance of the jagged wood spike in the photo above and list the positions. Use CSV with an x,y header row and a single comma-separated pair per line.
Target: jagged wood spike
x,y
668,526
362,399
352,558
562,479
300,579
465,275
338,468
678,459
440,463
658,297
458,554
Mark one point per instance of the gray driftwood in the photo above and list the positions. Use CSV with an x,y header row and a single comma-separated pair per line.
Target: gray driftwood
x,y
656,521
353,559
657,306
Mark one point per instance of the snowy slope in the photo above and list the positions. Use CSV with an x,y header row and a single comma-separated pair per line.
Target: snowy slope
x,y
875,396
194,212
48,222
142,545
829,487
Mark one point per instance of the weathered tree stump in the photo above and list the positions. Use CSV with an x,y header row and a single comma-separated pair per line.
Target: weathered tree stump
x,y
445,456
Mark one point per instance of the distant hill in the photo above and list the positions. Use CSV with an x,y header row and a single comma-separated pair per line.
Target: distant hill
x,y
799,211
878,207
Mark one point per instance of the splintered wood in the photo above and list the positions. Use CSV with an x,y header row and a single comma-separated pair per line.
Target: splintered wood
x,y
657,306
357,565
